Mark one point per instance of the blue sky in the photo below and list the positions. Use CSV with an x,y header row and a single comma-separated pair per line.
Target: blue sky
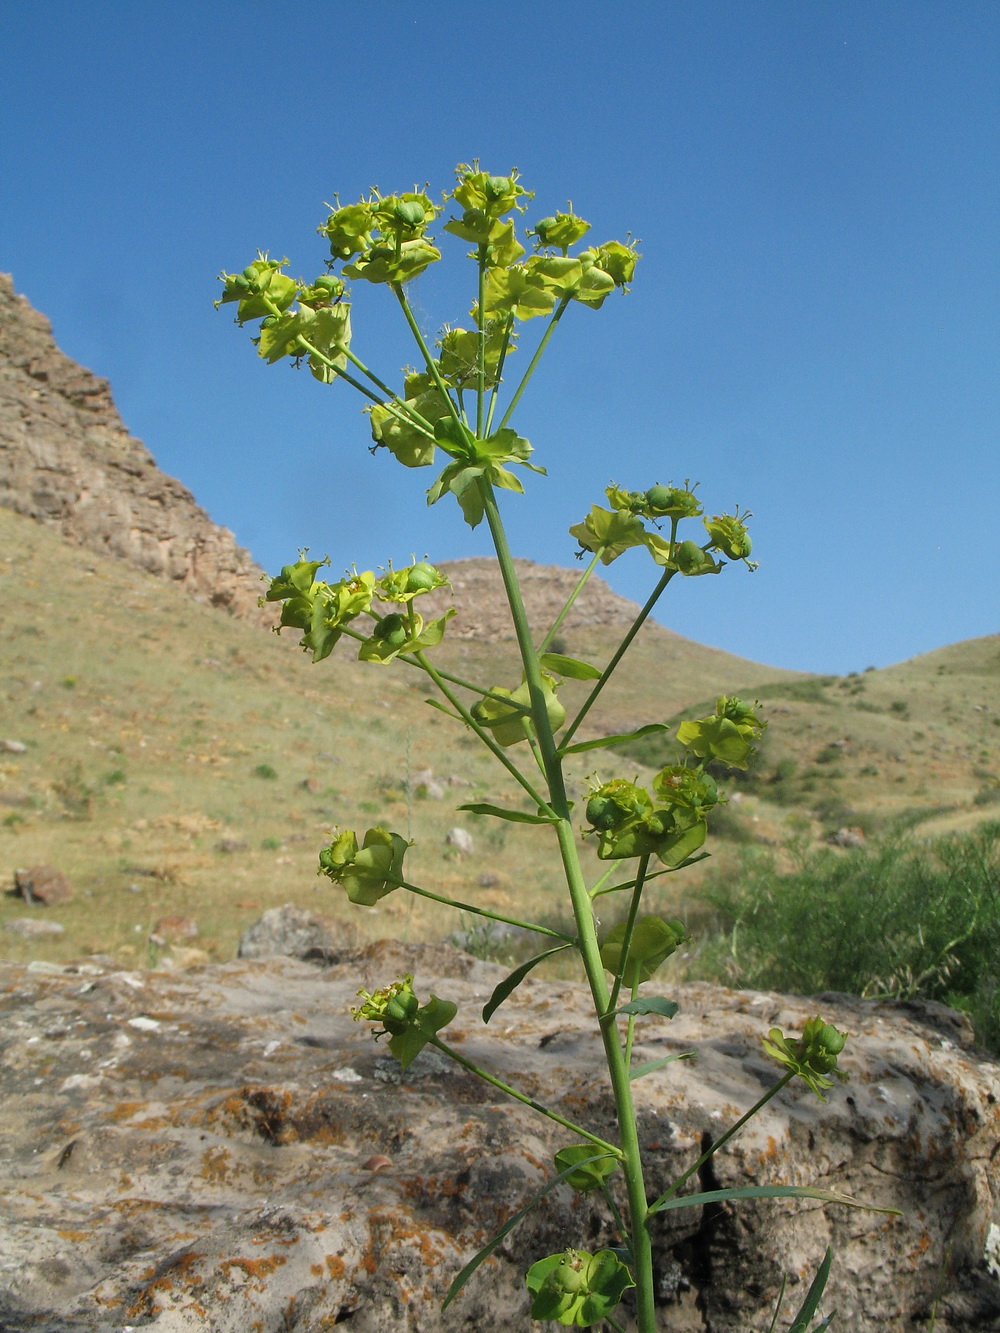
x,y
812,331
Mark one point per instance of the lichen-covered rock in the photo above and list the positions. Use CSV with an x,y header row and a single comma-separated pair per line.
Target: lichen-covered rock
x,y
67,460
225,1150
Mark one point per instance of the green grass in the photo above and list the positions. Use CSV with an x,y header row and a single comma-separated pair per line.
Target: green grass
x,y
903,919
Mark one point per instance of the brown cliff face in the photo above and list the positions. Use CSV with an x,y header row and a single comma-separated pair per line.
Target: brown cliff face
x,y
67,460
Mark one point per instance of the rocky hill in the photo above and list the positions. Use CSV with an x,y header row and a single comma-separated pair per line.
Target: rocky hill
x,y
68,461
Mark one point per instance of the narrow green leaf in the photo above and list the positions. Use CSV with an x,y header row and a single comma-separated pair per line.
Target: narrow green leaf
x,y
510,983
648,730
571,667
764,1192
502,812
507,1228
436,703
654,1004
639,1071
813,1297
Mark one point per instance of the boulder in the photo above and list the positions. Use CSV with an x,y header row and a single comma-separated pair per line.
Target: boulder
x,y
43,884
224,1150
295,932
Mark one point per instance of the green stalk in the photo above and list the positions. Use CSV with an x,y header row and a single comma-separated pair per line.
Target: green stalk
x,y
445,675
620,652
499,371
554,627
481,911
431,364
587,932
484,736
734,1129
560,308
520,1096
633,912
481,350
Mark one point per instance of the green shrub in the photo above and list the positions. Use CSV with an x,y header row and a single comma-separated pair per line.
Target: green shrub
x,y
901,919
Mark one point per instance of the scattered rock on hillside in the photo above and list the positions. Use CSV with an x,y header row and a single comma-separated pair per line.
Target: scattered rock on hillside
x,y
32,928
43,884
249,1158
67,460
174,929
295,932
13,747
461,840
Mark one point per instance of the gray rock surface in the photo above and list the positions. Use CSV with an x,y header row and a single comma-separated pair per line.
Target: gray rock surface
x,y
67,460
226,1150
295,932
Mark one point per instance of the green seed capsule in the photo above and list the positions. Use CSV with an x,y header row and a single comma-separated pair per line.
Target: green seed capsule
x,y
392,630
421,578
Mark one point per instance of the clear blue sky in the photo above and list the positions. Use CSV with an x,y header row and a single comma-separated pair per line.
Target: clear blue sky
x,y
812,332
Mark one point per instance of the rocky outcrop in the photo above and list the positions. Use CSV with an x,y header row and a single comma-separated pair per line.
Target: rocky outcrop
x,y
67,460
226,1150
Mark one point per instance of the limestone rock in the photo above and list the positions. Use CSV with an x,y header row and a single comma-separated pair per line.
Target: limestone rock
x,y
295,932
223,1150
43,884
67,460
461,840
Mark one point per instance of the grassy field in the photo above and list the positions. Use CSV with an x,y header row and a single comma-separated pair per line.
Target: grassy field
x,y
178,761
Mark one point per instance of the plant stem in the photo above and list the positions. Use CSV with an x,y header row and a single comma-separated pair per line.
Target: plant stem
x,y
481,911
484,736
432,365
508,329
620,652
554,627
633,912
445,675
521,1097
481,345
587,931
560,308
733,1129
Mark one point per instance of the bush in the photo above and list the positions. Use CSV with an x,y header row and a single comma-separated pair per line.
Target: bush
x,y
901,919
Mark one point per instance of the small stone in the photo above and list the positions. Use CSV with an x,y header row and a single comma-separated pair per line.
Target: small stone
x,y
43,884
231,845
487,880
171,928
461,840
144,1024
848,837
377,1162
13,747
30,927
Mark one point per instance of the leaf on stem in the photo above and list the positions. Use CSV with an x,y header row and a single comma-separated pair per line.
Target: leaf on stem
x,y
652,1004
802,1320
640,1071
618,739
511,982
764,1192
570,667
500,812
507,1228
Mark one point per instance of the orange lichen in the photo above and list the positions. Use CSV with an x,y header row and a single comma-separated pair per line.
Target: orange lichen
x,y
335,1265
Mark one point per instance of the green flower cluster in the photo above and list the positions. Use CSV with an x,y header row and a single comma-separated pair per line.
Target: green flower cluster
x,y
408,1024
813,1056
367,872
318,329
510,723
671,822
613,531
577,1288
324,610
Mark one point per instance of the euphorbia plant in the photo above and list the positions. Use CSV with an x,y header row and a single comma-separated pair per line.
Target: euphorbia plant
x,y
457,402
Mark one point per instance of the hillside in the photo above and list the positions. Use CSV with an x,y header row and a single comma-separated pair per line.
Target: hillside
x,y
182,761
174,760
